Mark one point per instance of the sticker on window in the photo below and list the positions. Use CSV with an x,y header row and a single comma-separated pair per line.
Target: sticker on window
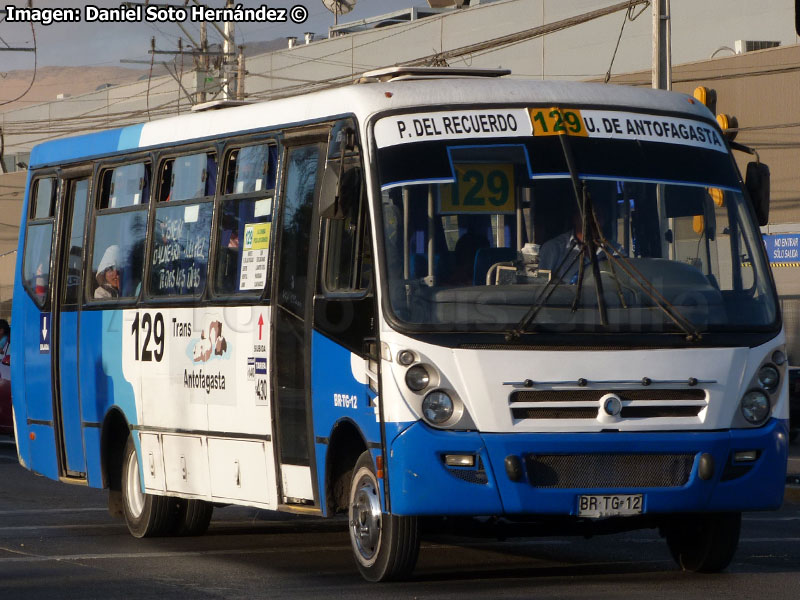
x,y
262,208
190,213
255,254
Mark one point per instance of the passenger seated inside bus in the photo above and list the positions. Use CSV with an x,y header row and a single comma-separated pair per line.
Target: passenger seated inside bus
x,y
108,274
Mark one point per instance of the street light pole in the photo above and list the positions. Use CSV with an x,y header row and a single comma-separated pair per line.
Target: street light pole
x,y
662,46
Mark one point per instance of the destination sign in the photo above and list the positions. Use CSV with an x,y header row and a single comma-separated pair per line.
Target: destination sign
x,y
453,125
507,123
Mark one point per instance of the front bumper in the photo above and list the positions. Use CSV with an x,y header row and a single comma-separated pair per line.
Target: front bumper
x,y
421,484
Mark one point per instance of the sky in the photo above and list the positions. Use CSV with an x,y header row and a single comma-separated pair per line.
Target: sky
x,y
105,44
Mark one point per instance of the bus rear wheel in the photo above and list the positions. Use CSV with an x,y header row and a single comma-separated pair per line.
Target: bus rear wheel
x,y
385,546
192,517
704,543
145,514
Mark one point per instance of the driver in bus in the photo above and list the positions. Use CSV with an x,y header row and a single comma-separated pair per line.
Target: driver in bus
x,y
108,274
559,254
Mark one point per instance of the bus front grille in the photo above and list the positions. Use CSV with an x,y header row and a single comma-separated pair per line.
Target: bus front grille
x,y
594,471
555,412
642,403
595,395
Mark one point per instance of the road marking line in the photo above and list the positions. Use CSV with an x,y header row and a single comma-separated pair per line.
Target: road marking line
x,y
283,549
176,554
24,557
56,527
121,525
44,511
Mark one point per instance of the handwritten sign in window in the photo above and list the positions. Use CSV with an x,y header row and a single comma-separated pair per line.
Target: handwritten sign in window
x,y
179,262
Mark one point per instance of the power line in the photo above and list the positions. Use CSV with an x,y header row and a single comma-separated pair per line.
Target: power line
x,y
628,16
35,66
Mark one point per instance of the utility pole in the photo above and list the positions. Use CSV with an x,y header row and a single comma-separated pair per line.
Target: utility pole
x,y
662,46
662,80
230,68
203,74
240,75
228,56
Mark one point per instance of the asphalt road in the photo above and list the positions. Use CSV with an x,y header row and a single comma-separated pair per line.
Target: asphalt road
x,y
58,541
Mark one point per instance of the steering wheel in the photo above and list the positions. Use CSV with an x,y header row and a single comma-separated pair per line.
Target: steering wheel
x,y
494,268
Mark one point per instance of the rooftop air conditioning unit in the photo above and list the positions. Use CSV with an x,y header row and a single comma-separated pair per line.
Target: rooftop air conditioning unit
x,y
742,46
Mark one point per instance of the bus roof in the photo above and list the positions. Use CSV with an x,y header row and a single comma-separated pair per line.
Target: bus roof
x,y
362,100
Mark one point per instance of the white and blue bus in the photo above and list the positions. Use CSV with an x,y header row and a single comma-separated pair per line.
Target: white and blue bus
x,y
423,295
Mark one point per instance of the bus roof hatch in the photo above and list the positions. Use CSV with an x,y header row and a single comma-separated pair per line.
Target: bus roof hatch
x,y
407,72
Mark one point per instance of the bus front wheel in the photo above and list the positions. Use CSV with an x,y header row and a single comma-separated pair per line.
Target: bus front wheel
x,y
704,543
145,514
385,546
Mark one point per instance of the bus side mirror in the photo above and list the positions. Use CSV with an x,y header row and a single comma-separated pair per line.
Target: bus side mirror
x,y
757,184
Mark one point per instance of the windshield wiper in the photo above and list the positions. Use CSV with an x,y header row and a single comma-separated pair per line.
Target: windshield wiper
x,y
546,292
626,266
590,231
592,239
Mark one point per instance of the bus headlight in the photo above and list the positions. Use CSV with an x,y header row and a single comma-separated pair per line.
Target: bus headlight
x,y
417,378
769,378
437,407
755,407
406,357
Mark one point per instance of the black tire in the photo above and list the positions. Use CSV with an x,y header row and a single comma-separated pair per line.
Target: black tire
x,y
704,543
192,517
146,515
385,546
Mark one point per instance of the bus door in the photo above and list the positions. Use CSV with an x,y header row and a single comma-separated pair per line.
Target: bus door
x,y
66,299
292,318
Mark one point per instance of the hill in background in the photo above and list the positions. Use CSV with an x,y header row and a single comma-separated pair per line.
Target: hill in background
x,y
73,81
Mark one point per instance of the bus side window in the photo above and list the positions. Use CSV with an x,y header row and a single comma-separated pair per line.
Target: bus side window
x,y
348,264
181,242
38,239
43,205
36,266
245,221
188,177
127,185
120,229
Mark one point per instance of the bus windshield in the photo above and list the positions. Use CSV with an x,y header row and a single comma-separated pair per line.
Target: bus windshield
x,y
486,233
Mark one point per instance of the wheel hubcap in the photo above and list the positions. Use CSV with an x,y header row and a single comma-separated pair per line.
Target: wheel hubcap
x,y
365,518
133,490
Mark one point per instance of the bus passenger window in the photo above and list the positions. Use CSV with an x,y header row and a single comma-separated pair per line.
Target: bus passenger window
x,y
44,198
181,241
245,222
36,265
251,169
128,185
118,255
188,177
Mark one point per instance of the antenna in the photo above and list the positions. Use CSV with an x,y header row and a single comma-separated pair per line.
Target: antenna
x,y
339,7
